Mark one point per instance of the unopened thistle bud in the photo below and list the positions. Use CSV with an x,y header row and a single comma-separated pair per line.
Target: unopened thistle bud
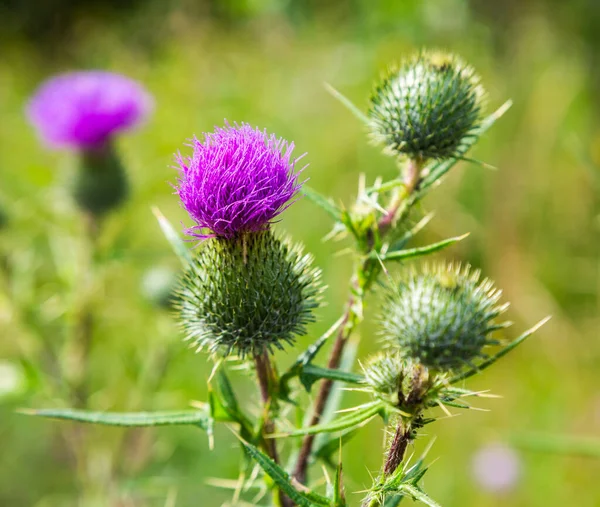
x,y
426,106
442,316
247,295
397,379
247,291
100,183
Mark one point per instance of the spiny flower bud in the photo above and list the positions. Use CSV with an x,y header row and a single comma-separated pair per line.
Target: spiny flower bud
x,y
426,106
441,316
248,294
396,379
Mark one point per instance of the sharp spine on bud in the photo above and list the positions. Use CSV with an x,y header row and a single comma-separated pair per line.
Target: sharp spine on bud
x,y
426,106
247,295
441,316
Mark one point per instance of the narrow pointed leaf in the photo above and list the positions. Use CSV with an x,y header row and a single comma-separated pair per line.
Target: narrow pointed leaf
x,y
199,418
393,500
283,480
332,444
177,244
400,255
470,372
410,234
218,411
322,201
353,419
339,500
385,187
440,168
311,374
347,103
305,358
337,392
419,495
228,398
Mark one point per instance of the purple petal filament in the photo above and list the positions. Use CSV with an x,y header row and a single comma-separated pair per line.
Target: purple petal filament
x,y
237,180
84,109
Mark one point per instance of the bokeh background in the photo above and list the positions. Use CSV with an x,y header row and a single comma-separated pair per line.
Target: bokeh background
x,y
534,222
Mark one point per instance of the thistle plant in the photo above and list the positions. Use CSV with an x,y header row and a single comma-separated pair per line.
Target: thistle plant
x,y
84,114
246,292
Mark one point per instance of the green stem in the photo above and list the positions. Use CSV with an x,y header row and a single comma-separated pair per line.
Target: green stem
x,y
84,327
365,274
264,374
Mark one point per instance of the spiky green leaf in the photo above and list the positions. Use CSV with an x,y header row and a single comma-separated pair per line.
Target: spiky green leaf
x,y
393,500
347,103
401,255
310,374
488,362
304,359
332,444
323,202
199,418
419,495
355,418
282,479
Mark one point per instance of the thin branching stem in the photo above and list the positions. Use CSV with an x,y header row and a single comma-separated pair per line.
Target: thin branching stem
x,y
365,274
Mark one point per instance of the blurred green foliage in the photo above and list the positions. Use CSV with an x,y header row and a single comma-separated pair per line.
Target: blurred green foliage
x,y
535,225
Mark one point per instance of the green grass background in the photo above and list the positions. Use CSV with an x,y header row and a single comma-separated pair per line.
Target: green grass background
x,y
534,227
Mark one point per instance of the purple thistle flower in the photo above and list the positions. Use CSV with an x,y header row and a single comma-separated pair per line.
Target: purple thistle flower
x,y
85,109
237,180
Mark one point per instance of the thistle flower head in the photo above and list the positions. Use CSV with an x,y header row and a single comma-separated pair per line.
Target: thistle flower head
x,y
248,294
397,379
237,180
426,106
86,109
441,316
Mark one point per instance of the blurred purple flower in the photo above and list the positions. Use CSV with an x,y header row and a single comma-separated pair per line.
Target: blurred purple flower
x,y
496,468
237,180
85,109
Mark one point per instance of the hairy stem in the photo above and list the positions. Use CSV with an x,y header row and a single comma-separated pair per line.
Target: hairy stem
x,y
412,176
264,374
365,274
397,448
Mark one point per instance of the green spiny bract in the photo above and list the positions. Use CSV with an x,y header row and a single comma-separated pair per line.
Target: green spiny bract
x,y
441,316
246,295
399,380
425,107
